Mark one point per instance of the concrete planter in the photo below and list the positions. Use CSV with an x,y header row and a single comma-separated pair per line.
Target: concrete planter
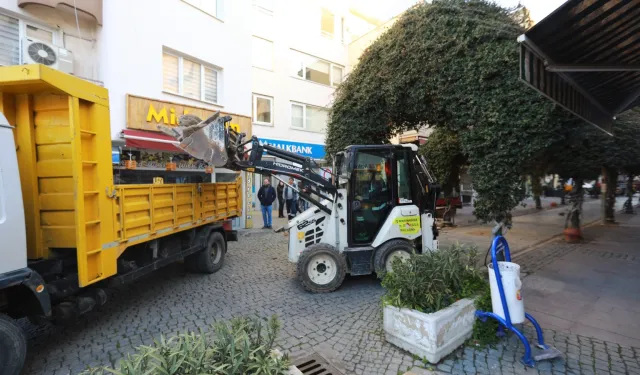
x,y
430,336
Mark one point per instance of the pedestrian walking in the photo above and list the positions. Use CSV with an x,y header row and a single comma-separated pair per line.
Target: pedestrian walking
x,y
291,197
280,190
266,196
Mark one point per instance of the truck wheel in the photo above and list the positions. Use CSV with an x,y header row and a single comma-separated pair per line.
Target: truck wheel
x,y
13,347
321,268
388,252
211,258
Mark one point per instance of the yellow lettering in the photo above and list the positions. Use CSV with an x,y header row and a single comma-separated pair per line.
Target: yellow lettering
x,y
172,120
157,116
235,127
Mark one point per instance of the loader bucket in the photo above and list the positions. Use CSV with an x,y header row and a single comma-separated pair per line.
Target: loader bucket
x,y
204,140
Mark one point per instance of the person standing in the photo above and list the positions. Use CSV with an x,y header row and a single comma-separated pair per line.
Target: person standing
x,y
280,190
291,197
266,195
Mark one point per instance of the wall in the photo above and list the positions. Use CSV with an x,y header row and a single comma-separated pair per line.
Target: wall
x,y
359,45
135,33
295,25
62,21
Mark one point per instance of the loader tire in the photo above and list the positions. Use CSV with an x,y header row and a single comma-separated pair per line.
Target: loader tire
x,y
321,268
388,251
13,347
211,258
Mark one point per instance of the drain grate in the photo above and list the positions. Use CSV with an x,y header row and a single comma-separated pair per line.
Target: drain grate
x,y
315,365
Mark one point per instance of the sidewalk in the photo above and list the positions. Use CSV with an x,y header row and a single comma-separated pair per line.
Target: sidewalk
x,y
528,229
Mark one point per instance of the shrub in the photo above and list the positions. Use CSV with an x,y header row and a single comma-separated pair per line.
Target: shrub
x,y
434,280
242,346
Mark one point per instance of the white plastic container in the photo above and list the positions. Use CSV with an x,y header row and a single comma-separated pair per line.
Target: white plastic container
x,y
512,286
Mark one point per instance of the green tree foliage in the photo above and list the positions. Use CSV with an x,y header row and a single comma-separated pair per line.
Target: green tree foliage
x,y
444,153
452,64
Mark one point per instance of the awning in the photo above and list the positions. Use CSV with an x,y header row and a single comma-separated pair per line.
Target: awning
x,y
149,140
585,56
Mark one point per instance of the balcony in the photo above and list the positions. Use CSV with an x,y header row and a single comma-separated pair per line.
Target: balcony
x,y
91,7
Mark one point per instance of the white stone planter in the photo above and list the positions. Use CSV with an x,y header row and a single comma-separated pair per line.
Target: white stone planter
x,y
430,336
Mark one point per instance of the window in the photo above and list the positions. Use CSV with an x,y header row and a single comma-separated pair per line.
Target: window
x,y
404,177
262,110
327,23
316,70
189,78
211,7
9,40
39,34
262,53
309,117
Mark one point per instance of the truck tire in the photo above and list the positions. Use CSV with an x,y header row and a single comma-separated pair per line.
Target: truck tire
x,y
13,347
321,268
211,258
388,251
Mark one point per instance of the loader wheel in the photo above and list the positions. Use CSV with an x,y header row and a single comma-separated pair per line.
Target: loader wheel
x,y
388,252
321,268
211,258
13,347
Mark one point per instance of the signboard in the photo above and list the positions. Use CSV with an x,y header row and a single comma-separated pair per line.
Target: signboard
x,y
147,114
312,150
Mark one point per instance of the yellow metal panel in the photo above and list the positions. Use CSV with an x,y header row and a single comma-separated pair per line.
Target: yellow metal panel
x,y
26,150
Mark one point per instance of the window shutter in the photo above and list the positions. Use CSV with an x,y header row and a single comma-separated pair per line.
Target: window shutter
x,y
170,73
191,79
210,85
9,41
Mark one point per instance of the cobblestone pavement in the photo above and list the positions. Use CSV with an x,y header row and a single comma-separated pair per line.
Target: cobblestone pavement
x,y
257,280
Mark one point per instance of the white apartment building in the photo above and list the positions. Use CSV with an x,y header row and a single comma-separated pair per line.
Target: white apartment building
x,y
69,33
299,56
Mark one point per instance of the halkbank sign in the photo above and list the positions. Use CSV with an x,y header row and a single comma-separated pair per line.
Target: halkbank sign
x,y
312,150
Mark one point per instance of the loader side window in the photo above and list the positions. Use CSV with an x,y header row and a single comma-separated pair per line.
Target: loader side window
x,y
372,185
405,195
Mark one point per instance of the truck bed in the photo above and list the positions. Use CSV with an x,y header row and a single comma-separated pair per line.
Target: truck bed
x,y
63,141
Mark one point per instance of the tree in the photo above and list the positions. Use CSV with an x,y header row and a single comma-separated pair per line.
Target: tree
x,y
444,153
452,65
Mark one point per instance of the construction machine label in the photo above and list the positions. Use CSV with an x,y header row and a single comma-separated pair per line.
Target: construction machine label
x,y
408,224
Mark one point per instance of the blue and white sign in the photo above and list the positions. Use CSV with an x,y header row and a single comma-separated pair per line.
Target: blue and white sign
x,y
312,150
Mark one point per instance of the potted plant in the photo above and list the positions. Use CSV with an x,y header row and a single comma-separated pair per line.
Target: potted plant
x,y
242,346
428,306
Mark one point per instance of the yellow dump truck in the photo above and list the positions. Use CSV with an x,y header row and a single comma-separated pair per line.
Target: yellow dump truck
x,y
67,232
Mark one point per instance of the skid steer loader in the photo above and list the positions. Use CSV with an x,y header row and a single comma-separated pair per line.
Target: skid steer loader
x,y
379,204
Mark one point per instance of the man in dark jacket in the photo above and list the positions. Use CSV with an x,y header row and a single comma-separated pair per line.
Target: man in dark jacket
x,y
266,195
280,190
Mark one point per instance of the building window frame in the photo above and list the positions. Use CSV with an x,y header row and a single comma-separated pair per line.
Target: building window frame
x,y
331,67
255,109
327,34
203,68
272,56
305,125
219,9
261,6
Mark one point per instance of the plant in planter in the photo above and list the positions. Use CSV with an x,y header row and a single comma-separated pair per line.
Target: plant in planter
x,y
428,309
242,346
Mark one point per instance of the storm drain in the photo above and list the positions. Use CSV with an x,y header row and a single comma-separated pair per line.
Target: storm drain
x,y
315,365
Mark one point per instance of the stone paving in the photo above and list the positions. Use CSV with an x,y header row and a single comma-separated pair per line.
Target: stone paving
x,y
345,326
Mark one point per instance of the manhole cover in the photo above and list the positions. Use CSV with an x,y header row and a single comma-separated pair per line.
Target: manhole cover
x,y
315,365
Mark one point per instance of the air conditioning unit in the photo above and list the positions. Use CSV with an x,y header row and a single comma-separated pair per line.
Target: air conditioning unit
x,y
38,52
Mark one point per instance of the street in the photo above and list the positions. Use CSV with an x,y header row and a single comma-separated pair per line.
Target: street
x,y
346,325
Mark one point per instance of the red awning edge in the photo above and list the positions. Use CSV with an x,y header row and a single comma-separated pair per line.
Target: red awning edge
x,y
149,140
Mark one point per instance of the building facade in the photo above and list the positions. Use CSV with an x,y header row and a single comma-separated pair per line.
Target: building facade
x,y
299,57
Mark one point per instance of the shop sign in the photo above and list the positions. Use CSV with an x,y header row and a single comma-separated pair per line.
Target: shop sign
x,y
312,150
147,114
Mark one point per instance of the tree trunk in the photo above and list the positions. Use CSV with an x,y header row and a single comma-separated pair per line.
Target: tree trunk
x,y
536,189
562,194
610,179
628,205
572,229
